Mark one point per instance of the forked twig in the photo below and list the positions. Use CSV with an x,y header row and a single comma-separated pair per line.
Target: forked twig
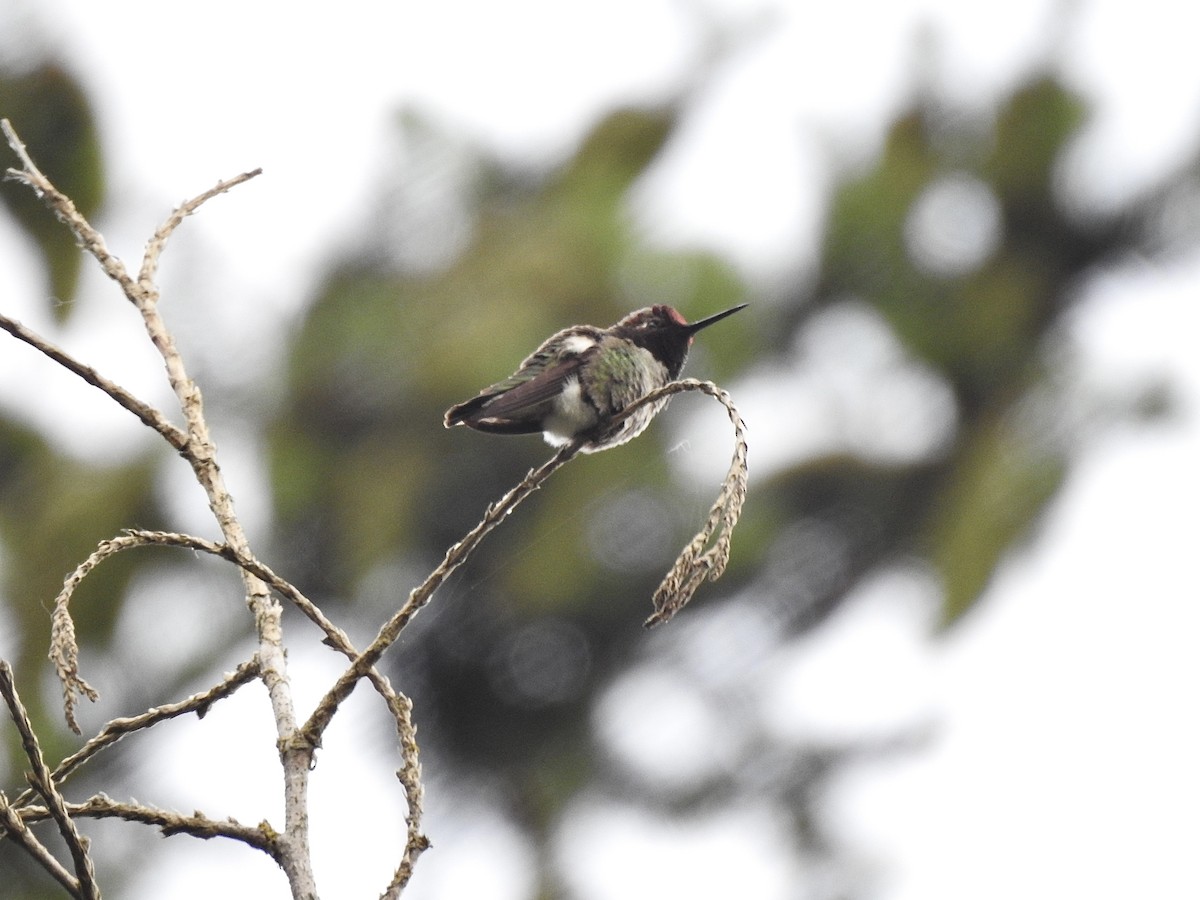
x,y
41,781
144,411
200,453
14,826
65,654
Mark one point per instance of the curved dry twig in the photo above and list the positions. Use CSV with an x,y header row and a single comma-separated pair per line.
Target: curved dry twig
x,y
158,242
707,554
139,537
64,648
409,777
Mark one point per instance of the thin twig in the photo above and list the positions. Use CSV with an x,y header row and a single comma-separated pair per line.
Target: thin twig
x,y
144,411
64,652
65,657
415,842
334,636
14,826
119,728
64,648
64,209
158,242
42,782
420,595
198,825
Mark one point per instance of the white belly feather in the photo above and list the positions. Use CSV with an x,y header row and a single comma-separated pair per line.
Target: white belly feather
x,y
572,414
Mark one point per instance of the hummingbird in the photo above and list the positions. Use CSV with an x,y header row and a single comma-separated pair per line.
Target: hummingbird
x,y
573,385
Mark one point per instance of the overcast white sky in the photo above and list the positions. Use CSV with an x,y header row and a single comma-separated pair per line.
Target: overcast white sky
x,y
1050,774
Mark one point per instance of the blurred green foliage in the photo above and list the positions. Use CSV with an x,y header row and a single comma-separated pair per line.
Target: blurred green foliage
x,y
985,330
51,112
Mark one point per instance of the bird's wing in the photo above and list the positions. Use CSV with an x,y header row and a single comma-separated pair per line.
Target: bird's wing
x,y
521,409
519,403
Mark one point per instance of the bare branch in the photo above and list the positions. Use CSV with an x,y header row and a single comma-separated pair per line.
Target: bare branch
x,y
42,782
261,837
420,595
200,452
64,209
398,704
414,793
64,652
146,413
64,649
14,827
334,636
157,243
116,729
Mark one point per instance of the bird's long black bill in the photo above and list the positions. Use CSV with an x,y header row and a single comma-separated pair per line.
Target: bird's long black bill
x,y
693,327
